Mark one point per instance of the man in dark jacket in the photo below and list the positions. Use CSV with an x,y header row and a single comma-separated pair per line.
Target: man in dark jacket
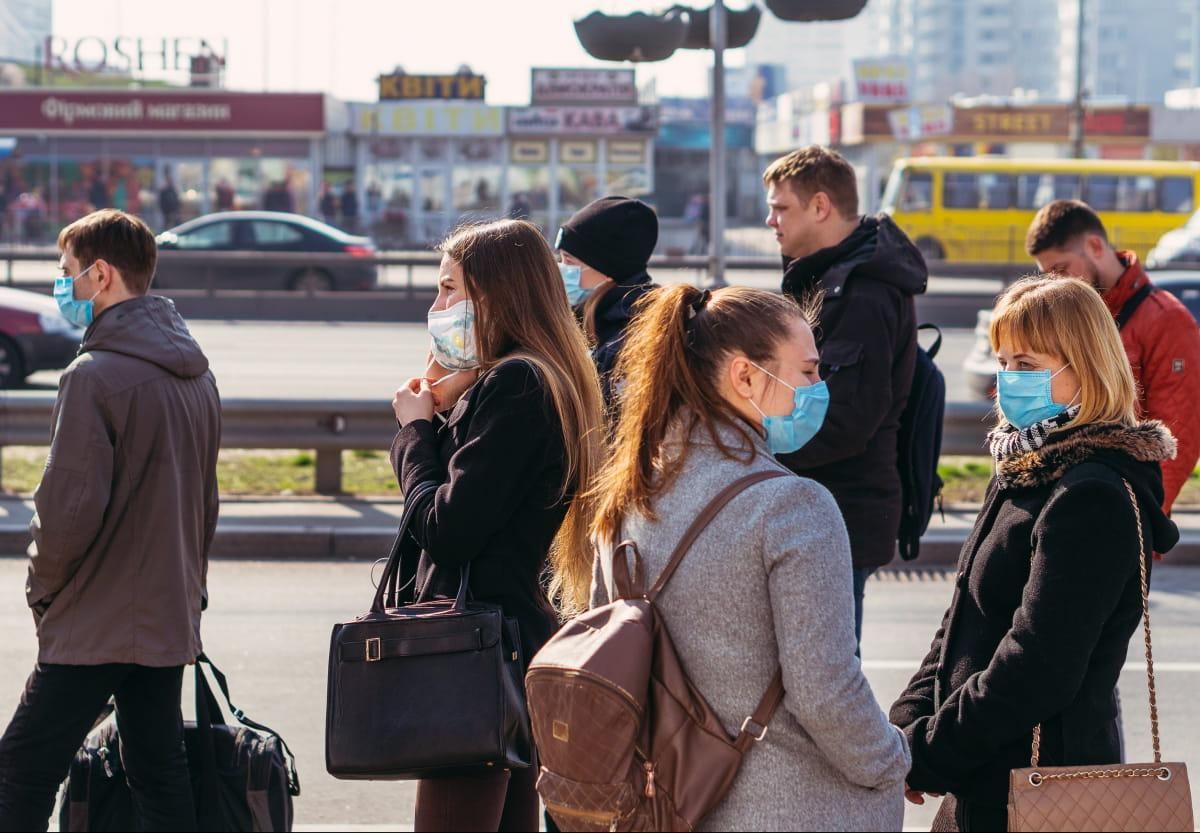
x,y
867,272
611,241
126,511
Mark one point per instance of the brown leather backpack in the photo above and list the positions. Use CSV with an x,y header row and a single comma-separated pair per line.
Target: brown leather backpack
x,y
625,741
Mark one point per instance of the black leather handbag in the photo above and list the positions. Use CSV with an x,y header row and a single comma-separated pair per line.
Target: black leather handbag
x,y
425,687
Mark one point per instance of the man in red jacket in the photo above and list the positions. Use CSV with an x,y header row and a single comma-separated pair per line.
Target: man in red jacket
x,y
1160,336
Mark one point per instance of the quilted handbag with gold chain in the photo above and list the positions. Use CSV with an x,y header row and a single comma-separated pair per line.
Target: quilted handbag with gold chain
x,y
1122,797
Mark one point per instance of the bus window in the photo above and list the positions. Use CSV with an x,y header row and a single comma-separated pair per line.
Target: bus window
x,y
960,190
1175,195
1036,190
1135,193
1100,192
918,192
996,190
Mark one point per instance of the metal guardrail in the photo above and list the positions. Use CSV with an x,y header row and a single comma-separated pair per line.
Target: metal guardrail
x,y
411,261
330,427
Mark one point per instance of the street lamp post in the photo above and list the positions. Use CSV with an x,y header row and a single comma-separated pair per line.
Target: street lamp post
x,y
716,158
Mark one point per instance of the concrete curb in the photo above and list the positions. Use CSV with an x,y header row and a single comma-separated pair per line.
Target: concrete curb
x,y
316,542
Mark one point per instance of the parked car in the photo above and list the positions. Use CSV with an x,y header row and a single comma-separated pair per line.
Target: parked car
x,y
1181,245
980,366
265,232
33,336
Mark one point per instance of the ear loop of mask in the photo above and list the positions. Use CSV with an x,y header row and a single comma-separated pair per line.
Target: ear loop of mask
x,y
1078,394
773,376
437,382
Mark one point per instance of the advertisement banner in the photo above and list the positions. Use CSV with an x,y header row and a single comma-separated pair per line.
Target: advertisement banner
x,y
881,80
432,118
915,123
460,86
583,86
157,111
596,121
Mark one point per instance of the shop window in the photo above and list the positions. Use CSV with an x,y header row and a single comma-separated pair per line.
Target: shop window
x,y
1037,190
280,235
576,188
477,189
960,190
1175,195
212,236
632,182
918,192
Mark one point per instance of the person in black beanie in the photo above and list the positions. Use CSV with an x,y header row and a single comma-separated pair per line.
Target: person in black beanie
x,y
610,242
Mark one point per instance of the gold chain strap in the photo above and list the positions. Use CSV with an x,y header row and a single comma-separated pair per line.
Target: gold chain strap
x,y
1123,773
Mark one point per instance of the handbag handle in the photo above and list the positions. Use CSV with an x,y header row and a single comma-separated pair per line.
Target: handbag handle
x,y
386,592
464,591
1137,514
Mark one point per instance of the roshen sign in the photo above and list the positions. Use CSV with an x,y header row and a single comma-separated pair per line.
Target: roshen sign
x,y
125,54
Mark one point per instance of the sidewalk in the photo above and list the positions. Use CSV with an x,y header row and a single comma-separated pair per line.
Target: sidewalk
x,y
319,528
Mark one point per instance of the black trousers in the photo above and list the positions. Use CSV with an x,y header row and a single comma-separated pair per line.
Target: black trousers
x,y
504,801
57,709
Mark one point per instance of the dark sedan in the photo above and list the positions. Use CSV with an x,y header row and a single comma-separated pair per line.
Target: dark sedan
x,y
33,336
980,365
212,247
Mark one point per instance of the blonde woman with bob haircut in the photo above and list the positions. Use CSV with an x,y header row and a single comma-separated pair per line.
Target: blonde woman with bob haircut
x,y
1048,591
514,462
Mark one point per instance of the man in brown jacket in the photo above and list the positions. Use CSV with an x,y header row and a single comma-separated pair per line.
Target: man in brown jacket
x,y
126,512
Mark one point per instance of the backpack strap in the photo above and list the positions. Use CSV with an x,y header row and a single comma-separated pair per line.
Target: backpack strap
x,y
702,521
937,342
1132,304
754,727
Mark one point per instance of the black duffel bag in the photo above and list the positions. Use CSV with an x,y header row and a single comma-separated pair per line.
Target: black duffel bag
x,y
243,777
421,688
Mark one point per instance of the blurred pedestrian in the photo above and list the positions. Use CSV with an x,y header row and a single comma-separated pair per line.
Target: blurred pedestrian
x,y
349,206
867,272
125,514
605,250
1049,591
1160,336
514,464
519,208
226,197
717,384
328,204
98,194
168,202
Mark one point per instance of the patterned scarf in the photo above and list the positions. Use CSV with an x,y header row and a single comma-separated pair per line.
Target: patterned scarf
x,y
1007,441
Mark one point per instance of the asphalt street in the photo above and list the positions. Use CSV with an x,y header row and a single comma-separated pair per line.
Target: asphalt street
x,y
339,360
269,623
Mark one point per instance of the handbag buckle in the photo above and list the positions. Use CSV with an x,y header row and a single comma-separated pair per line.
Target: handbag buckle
x,y
750,723
374,649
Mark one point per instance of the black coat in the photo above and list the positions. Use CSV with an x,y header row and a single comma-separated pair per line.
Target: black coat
x,y
500,461
1047,597
867,336
613,313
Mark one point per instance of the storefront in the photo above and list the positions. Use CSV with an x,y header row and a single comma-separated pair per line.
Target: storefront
x,y
75,151
425,166
441,156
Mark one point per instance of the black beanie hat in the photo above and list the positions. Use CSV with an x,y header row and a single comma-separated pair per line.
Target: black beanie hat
x,y
613,235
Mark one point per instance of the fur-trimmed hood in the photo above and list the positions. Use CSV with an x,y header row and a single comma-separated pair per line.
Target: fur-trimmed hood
x,y
1146,442
1133,453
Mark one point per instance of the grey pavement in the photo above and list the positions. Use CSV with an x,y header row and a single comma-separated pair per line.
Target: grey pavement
x,y
269,624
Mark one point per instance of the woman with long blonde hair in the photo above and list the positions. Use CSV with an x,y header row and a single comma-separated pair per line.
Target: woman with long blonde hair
x,y
1049,586
514,460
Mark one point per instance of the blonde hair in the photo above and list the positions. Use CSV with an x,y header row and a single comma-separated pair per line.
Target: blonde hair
x,y
522,312
1066,318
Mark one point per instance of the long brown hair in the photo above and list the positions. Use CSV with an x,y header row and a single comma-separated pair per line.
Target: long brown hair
x,y
669,369
589,309
521,311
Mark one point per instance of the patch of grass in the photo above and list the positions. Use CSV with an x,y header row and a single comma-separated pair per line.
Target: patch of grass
x,y
369,474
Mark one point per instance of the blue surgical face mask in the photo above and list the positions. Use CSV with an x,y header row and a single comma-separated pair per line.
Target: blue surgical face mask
x,y
1025,397
788,434
572,275
79,313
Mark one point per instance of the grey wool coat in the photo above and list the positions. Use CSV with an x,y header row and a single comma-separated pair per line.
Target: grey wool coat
x,y
769,584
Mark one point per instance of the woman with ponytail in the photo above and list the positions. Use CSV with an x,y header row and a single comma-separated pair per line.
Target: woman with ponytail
x,y
515,460
714,385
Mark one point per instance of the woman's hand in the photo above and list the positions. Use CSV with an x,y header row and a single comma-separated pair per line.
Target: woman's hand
x,y
447,390
916,796
413,401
